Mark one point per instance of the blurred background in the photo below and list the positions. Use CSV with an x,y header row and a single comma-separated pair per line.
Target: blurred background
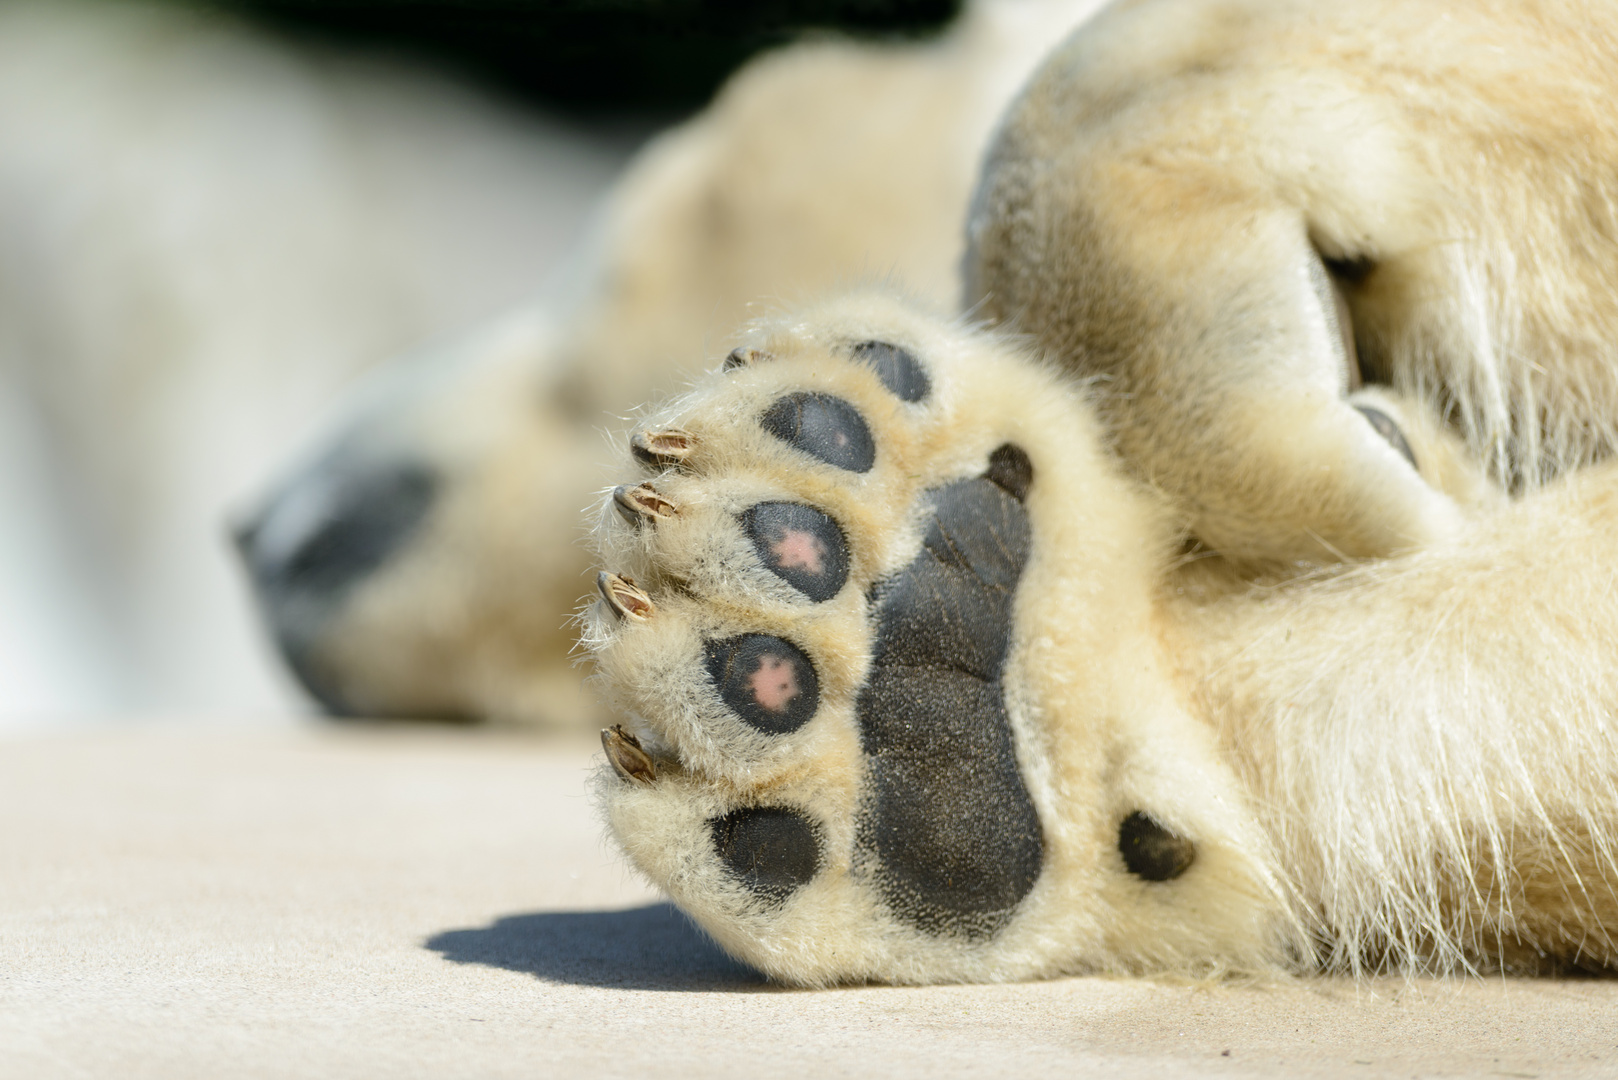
x,y
216,217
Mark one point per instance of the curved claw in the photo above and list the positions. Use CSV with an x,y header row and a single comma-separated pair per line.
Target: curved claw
x,y
626,757
662,449
626,599
641,504
744,357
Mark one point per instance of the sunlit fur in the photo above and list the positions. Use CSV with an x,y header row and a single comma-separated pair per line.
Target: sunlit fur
x,y
1154,212
1158,203
818,165
1406,764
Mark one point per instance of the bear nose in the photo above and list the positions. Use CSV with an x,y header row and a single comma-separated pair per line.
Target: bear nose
x,y
320,537
325,533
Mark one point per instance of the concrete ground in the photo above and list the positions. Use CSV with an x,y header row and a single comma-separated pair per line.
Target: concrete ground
x,y
425,902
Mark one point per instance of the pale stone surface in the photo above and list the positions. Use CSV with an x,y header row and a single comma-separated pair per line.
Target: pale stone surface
x,y
436,903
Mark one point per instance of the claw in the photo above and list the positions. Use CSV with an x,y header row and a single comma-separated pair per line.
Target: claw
x,y
1389,430
744,357
662,448
624,597
641,503
625,756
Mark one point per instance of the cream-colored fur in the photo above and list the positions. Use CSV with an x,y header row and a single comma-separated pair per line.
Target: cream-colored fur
x,y
1161,204
818,166
1401,763
1155,211
1405,764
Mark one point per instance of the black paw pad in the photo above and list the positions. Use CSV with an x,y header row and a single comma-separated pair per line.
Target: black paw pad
x,y
766,681
1011,470
801,545
899,371
1151,851
955,837
1385,427
824,427
769,849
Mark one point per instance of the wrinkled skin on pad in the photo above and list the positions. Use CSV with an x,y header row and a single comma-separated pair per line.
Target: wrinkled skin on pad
x,y
949,823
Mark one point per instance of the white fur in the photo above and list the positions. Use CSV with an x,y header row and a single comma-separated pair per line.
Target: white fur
x,y
818,165
1158,199
1098,727
1408,764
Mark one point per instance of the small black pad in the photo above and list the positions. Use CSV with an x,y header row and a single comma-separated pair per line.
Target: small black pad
x,y
824,427
899,371
800,545
1385,427
766,681
771,850
1011,469
953,837
1151,851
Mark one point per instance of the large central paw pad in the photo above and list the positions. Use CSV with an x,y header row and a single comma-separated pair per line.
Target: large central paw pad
x,y
955,837
882,623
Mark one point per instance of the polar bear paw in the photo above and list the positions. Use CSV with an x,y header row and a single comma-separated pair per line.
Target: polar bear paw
x,y
880,617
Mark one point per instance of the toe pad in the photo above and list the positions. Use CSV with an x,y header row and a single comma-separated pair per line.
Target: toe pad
x,y
824,427
766,681
771,850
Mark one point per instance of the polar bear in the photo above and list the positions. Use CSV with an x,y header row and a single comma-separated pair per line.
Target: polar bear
x,y
423,557
922,679
1236,211
948,655
921,686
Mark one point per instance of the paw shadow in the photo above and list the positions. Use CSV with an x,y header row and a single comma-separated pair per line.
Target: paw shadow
x,y
645,948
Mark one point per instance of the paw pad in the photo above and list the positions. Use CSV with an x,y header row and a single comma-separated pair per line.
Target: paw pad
x,y
801,546
771,850
899,371
956,834
766,681
824,427
850,688
1152,852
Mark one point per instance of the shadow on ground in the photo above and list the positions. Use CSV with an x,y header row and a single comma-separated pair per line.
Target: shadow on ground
x,y
645,948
